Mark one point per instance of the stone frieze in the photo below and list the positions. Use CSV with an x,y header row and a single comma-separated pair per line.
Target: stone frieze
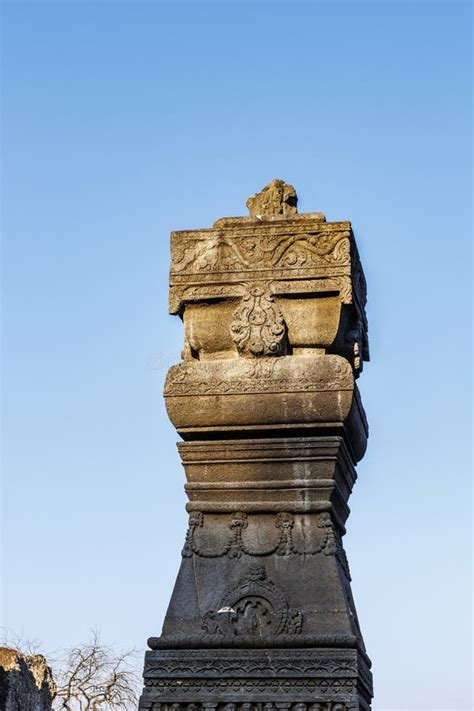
x,y
238,544
216,251
264,375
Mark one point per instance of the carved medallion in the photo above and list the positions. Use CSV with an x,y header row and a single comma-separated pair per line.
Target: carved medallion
x,y
255,608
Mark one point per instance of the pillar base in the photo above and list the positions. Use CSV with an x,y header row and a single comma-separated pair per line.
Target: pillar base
x,y
317,679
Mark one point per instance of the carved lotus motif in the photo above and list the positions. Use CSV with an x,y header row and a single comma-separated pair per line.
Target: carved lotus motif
x,y
258,327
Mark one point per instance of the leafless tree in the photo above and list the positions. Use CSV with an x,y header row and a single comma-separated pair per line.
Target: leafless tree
x,y
94,677
15,640
89,677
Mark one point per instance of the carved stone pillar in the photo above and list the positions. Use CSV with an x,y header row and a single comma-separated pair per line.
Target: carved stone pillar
x,y
266,401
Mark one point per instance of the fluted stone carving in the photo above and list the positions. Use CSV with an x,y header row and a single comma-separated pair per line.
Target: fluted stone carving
x,y
266,401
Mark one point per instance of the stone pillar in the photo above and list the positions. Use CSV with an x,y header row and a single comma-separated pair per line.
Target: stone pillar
x,y
266,402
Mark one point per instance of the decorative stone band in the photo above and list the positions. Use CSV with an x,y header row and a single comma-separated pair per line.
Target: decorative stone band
x,y
291,680
326,687
257,663
246,706
261,248
240,376
283,641
321,534
189,293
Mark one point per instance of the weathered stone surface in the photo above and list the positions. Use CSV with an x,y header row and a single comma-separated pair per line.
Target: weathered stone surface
x,y
295,286
295,475
266,402
266,394
295,676
276,198
26,682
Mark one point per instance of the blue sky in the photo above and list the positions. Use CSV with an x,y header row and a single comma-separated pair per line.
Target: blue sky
x,y
125,120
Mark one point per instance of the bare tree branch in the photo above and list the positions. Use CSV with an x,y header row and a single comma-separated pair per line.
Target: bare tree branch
x,y
92,677
89,677
14,640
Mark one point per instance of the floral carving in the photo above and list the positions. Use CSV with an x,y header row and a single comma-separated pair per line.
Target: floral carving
x,y
196,519
330,546
311,249
257,326
216,251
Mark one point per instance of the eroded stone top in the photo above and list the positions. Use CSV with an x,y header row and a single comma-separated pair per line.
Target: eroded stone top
x,y
276,198
273,284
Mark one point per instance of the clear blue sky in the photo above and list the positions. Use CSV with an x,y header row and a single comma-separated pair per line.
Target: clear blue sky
x,y
125,120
